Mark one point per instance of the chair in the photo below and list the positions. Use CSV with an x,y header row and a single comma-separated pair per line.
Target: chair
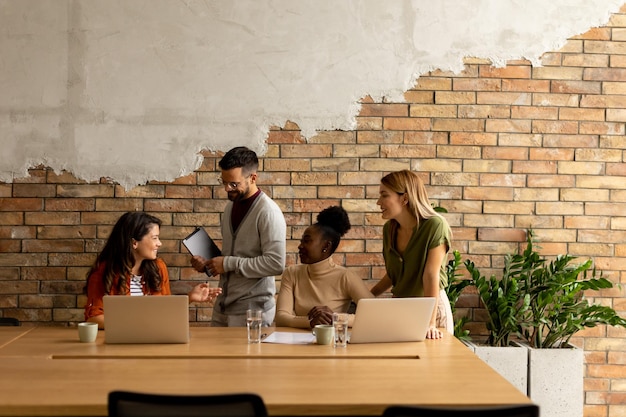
x,y
135,404
521,410
9,321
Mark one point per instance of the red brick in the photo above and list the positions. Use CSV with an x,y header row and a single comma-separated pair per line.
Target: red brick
x,y
379,137
45,273
53,245
614,101
17,232
522,86
281,136
472,84
334,164
508,125
34,190
7,245
552,99
505,72
169,205
85,190
51,218
455,97
582,60
503,235
560,127
70,204
407,151
192,219
341,192
504,98
384,110
369,123
534,112
606,371
576,87
617,169
552,154
463,125
570,141
413,96
405,123
425,138
551,181
534,167
21,204
484,111
508,153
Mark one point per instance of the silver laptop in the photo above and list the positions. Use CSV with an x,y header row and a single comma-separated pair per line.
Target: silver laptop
x,y
392,319
146,319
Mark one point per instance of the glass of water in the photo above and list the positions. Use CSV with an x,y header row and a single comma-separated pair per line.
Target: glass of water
x,y
254,319
340,322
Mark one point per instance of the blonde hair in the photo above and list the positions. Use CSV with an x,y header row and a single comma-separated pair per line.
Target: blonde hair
x,y
409,183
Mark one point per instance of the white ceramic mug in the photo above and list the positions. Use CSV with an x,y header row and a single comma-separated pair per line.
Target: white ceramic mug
x,y
324,334
87,331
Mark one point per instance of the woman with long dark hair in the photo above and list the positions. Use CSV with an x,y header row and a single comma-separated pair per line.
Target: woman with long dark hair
x,y
128,265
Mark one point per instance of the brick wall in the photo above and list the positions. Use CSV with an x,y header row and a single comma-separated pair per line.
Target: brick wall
x,y
502,149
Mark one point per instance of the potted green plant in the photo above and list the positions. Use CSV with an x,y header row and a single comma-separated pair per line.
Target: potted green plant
x,y
542,305
557,306
504,304
557,309
455,287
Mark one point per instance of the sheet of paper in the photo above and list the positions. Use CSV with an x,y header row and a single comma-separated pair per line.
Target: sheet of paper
x,y
289,338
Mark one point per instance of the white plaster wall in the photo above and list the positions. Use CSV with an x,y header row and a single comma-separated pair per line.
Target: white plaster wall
x,y
134,89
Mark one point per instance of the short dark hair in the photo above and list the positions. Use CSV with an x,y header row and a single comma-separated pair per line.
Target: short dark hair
x,y
240,157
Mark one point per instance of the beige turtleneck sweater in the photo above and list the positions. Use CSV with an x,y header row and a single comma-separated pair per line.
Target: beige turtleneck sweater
x,y
321,284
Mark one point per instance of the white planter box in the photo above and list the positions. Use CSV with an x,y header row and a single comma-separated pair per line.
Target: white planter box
x,y
511,362
555,381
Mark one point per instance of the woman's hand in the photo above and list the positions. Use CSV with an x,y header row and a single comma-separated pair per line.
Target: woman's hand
x,y
320,315
203,293
433,333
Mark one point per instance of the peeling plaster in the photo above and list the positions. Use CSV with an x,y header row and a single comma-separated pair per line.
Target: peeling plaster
x,y
133,90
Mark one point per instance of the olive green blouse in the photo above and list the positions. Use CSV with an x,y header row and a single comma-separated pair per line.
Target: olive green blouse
x,y
406,271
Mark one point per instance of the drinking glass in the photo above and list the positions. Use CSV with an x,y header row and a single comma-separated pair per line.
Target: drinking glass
x,y
340,322
254,318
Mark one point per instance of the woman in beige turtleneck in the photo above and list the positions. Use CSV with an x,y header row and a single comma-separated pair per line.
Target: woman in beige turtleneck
x,y
312,291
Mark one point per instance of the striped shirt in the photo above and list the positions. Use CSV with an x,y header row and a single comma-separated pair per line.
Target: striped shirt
x,y
135,285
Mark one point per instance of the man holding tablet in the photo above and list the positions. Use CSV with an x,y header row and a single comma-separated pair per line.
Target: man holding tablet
x,y
253,244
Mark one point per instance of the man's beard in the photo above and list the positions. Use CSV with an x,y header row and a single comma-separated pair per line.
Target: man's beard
x,y
237,195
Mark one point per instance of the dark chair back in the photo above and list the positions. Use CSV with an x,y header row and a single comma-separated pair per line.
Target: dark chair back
x,y
9,321
135,404
521,410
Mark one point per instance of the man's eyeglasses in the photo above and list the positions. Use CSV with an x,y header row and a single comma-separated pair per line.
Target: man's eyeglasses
x,y
232,185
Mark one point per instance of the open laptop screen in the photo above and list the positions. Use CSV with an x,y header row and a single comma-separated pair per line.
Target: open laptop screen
x,y
392,319
146,319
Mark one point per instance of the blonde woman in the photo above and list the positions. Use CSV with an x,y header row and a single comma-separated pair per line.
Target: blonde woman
x,y
416,241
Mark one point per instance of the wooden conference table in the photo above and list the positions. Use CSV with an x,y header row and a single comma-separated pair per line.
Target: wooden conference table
x,y
47,371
